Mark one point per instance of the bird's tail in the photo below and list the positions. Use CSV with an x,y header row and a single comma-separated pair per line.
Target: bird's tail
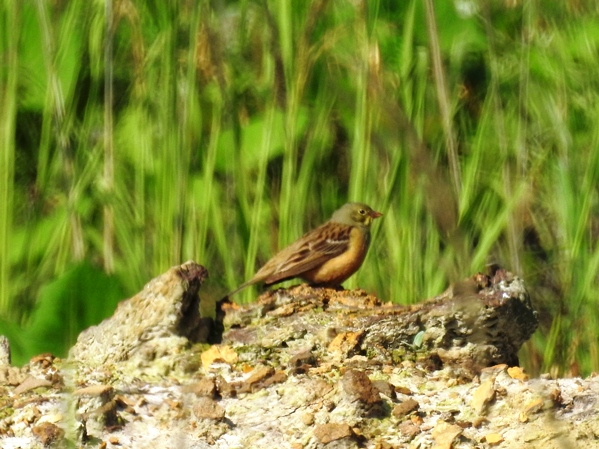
x,y
237,290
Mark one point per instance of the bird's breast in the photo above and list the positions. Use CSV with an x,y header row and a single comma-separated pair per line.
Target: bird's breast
x,y
337,269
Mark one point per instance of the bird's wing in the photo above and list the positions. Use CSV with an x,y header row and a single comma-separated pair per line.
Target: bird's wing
x,y
312,250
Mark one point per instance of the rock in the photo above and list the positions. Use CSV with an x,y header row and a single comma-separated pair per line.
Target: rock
x,y
204,387
325,433
145,330
407,406
259,374
409,429
302,367
42,360
218,354
96,409
493,438
206,408
444,434
308,419
384,387
276,378
31,383
517,372
104,391
224,388
358,387
466,332
48,433
4,351
345,344
303,358
11,375
466,329
483,395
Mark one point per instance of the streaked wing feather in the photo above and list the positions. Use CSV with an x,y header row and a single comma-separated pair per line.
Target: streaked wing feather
x,y
309,252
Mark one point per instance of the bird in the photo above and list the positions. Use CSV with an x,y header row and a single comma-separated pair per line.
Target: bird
x,y
325,256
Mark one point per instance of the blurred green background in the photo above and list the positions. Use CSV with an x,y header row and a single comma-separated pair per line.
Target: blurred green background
x,y
138,134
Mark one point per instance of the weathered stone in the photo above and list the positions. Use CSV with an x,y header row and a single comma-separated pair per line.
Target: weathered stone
x,y
276,378
493,438
144,330
48,433
218,354
407,406
43,360
317,399
345,343
105,391
385,388
4,351
259,374
308,419
325,433
206,408
445,433
204,387
31,383
358,386
468,332
409,429
303,358
483,395
97,407
517,372
467,329
224,388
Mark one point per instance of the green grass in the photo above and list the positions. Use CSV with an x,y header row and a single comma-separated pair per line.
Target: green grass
x,y
235,127
8,107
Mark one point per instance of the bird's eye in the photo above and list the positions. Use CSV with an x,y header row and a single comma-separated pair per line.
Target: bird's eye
x,y
362,211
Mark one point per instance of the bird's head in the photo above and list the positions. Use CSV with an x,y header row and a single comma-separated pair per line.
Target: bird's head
x,y
355,214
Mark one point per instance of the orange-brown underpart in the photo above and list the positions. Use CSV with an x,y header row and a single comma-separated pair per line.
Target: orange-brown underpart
x,y
336,270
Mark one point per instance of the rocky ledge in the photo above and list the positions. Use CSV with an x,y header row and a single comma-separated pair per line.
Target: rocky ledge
x,y
300,368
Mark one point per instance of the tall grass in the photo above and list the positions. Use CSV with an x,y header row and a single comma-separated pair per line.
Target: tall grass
x,y
139,135
8,107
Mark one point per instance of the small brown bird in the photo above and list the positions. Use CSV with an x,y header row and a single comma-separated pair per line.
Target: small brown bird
x,y
325,256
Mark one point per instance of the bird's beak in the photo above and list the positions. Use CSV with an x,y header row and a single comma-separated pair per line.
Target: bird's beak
x,y
375,214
